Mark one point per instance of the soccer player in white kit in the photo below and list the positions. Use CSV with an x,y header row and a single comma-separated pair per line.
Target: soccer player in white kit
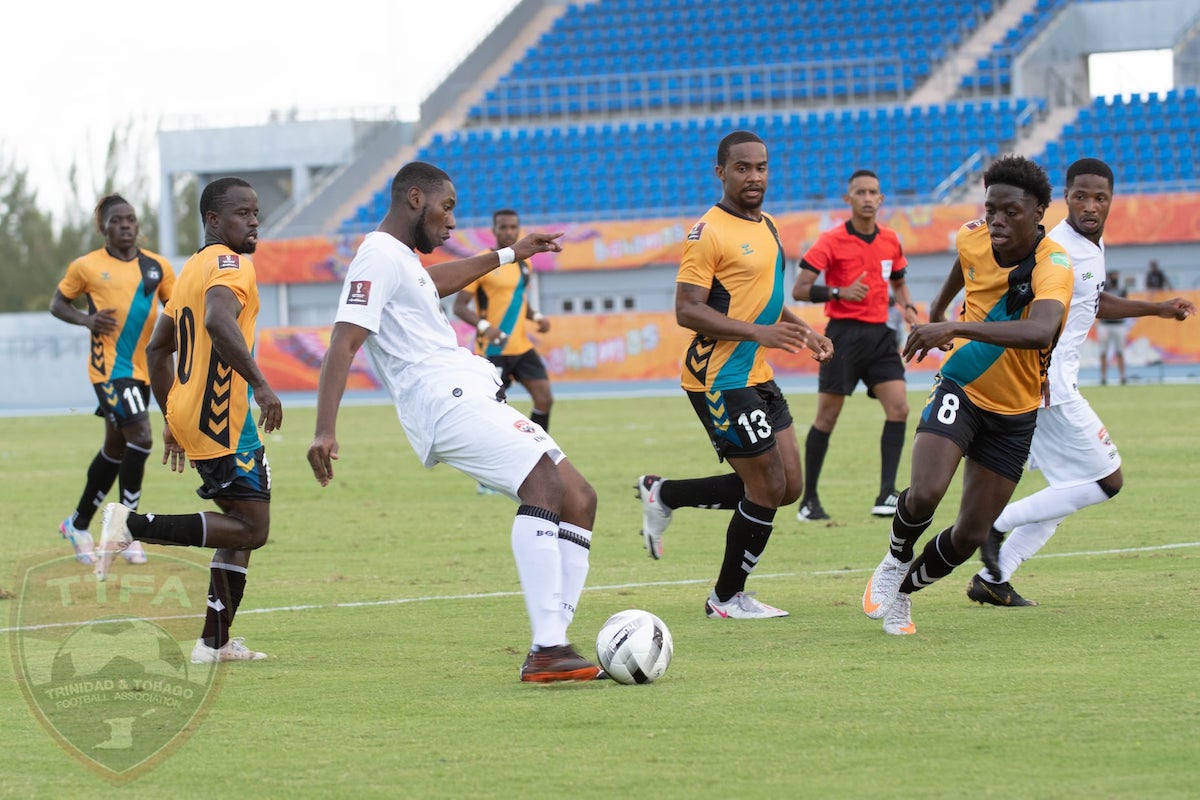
x,y
451,404
1070,446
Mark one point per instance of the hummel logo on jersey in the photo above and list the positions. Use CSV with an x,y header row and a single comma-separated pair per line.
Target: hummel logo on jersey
x,y
229,261
746,248
359,294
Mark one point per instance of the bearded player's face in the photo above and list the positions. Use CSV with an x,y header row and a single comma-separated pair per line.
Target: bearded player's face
x,y
436,220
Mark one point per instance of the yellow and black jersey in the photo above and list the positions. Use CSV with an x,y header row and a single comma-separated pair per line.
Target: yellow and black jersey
x,y
134,288
740,262
998,379
502,298
210,405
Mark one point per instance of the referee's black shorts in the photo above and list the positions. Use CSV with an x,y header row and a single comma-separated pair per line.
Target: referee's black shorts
x,y
862,351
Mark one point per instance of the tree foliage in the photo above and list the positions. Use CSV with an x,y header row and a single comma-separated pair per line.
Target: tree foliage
x,y
35,247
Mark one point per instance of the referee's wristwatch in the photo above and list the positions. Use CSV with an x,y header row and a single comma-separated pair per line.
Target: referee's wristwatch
x,y
836,292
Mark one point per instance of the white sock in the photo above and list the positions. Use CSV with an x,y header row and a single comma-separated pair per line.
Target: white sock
x,y
1021,544
1050,503
574,545
539,566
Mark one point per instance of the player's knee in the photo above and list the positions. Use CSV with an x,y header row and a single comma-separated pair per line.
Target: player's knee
x,y
920,504
145,445
257,538
770,492
580,501
1112,484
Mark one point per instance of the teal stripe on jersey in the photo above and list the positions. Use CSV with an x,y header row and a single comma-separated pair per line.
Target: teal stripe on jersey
x,y
508,322
975,358
127,342
735,373
248,440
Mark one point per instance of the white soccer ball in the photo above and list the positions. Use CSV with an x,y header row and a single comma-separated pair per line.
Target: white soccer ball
x,y
634,646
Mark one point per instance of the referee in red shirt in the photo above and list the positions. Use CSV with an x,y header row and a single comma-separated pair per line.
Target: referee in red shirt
x,y
862,261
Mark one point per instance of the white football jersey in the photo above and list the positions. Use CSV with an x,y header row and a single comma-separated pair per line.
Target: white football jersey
x,y
412,347
1087,259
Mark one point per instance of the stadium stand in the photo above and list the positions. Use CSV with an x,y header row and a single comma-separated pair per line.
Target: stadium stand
x,y
610,170
1124,132
609,128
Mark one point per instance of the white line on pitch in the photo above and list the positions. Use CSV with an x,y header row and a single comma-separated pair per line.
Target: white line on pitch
x,y
609,587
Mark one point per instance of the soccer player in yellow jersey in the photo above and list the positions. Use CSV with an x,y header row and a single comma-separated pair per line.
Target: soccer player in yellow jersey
x,y
123,285
985,397
730,291
209,328
502,310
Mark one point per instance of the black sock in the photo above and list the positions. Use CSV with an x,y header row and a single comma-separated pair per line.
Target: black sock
x,y
179,529
891,445
716,491
226,583
745,539
937,560
541,418
904,531
101,475
815,447
131,471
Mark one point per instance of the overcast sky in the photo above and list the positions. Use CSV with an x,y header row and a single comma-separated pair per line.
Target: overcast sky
x,y
75,71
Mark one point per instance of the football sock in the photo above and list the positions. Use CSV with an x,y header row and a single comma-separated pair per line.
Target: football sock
x,y
101,475
131,471
1049,503
189,530
815,447
936,562
745,540
1021,543
540,568
574,546
226,583
891,445
716,491
904,531
541,418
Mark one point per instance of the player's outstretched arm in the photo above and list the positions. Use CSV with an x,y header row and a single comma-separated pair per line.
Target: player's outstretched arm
x,y
1036,331
1116,307
452,276
344,343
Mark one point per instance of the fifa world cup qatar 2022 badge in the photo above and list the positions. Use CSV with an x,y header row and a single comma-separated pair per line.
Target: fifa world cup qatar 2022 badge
x,y
106,666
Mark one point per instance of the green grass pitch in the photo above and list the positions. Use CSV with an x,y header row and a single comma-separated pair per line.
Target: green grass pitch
x,y
390,608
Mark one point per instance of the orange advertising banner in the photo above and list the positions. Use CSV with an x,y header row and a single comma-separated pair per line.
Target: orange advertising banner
x,y
1136,219
639,347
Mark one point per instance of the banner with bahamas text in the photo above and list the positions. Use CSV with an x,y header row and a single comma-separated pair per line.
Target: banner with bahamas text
x,y
1137,219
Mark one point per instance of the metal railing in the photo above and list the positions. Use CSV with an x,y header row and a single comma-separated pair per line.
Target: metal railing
x,y
824,82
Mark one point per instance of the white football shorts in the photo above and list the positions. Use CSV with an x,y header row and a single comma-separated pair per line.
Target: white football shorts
x,y
1071,446
493,443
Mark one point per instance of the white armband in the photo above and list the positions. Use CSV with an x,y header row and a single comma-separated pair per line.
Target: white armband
x,y
482,325
507,255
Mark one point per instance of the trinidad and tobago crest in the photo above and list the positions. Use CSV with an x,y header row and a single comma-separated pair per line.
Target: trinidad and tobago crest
x,y
106,666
